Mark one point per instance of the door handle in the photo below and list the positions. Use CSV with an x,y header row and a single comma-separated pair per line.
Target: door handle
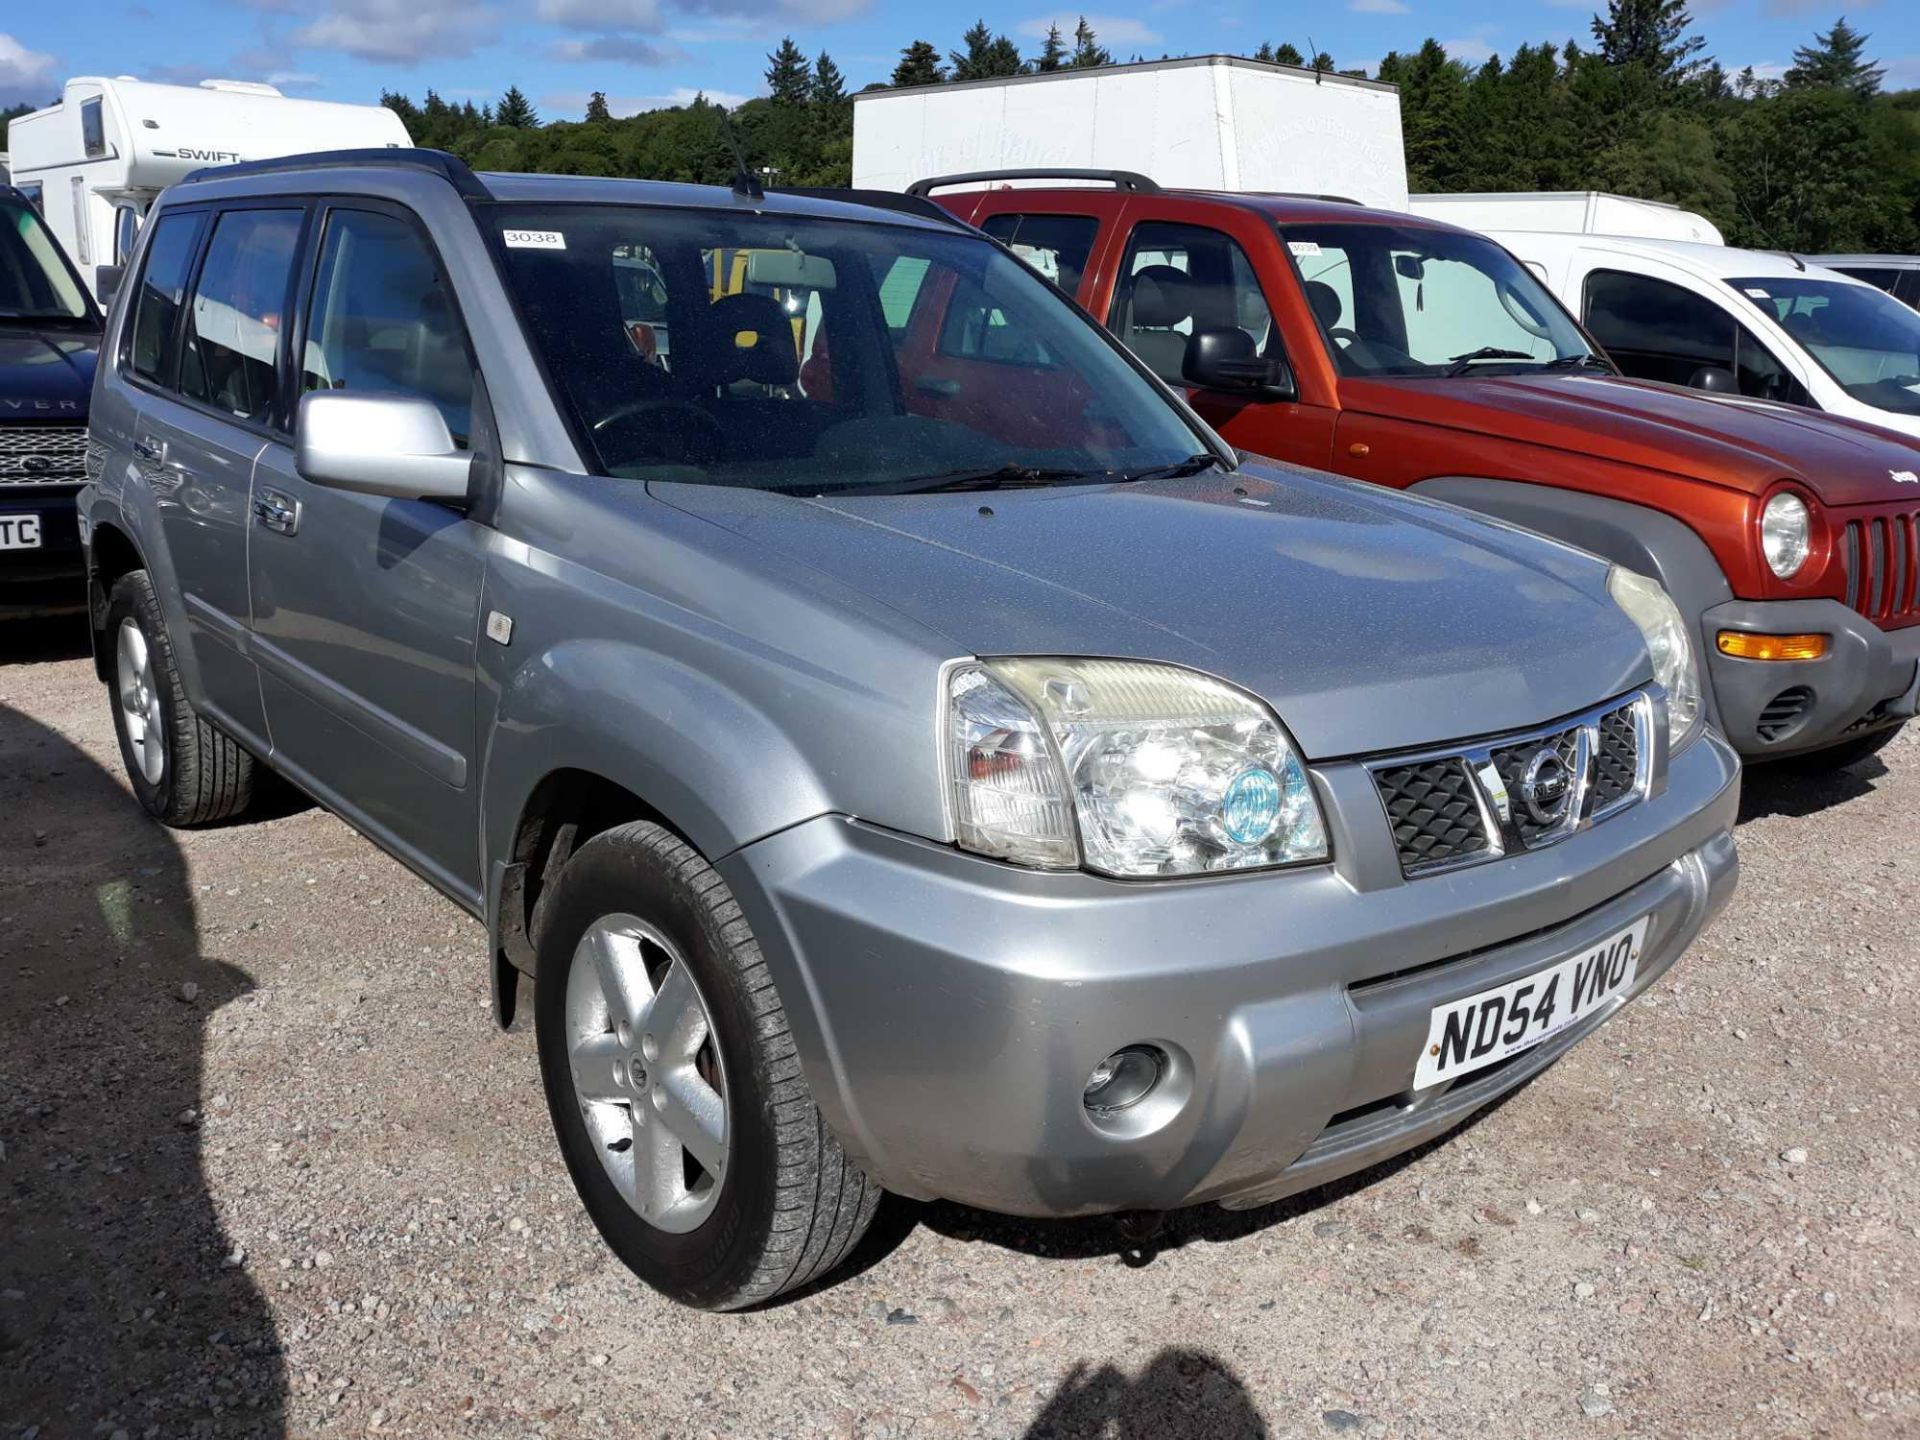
x,y
148,448
279,513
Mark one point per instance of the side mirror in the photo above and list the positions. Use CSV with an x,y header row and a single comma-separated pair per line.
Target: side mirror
x,y
393,445
106,282
1227,359
1716,379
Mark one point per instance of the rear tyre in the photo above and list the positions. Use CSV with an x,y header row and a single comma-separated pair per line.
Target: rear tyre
x,y
673,1083
185,770
1839,757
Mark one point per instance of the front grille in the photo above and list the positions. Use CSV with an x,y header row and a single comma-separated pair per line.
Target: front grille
x,y
1470,805
1882,555
43,454
1434,812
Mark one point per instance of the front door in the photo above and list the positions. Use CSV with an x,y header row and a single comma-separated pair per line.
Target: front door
x,y
365,609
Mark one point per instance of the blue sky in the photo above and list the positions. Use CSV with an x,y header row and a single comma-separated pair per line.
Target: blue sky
x,y
646,53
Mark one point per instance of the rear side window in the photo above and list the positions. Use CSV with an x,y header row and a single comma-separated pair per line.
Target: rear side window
x,y
1656,330
232,354
93,129
1055,245
382,318
163,285
1887,280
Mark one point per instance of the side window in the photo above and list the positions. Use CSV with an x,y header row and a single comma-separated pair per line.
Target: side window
x,y
93,129
899,291
382,318
1180,278
1909,288
1656,330
232,351
31,189
1886,280
156,313
1055,245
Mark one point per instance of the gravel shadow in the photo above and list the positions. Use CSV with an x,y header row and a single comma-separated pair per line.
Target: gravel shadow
x,y
36,641
119,1306
1779,789
1182,1394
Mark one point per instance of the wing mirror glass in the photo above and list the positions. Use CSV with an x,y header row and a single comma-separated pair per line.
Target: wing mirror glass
x,y
1716,379
393,445
1227,359
106,281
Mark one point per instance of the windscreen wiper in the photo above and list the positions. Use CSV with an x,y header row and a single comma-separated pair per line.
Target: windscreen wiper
x,y
1180,469
1578,362
1460,364
1007,477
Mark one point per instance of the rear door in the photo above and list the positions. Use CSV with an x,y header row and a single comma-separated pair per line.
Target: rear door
x,y
208,358
366,609
1176,276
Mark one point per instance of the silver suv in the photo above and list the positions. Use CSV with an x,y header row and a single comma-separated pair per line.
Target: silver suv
x,y
904,746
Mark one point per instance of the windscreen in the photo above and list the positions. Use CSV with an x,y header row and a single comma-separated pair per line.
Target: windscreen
x,y
1408,300
816,356
35,282
1864,338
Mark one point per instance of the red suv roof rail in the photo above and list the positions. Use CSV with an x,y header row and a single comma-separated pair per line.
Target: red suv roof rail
x,y
1130,180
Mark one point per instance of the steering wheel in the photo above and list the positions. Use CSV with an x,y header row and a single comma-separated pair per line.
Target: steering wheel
x,y
677,431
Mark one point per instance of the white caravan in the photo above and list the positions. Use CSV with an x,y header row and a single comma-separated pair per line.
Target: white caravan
x,y
1569,212
1748,322
94,162
1209,122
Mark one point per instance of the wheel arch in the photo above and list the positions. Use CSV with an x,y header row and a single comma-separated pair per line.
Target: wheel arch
x,y
111,553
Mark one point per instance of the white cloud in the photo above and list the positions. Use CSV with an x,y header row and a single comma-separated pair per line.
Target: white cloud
x,y
1108,30
1469,50
26,76
622,49
1379,7
401,31
601,15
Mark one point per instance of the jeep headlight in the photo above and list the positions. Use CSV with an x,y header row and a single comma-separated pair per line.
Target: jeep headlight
x,y
1786,534
1125,767
1652,609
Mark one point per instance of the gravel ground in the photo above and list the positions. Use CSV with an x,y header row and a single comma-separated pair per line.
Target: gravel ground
x,y
269,1169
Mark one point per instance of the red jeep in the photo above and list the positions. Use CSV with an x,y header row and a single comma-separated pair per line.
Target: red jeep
x,y
1410,353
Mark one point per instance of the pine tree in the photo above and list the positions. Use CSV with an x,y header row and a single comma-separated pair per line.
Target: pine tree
x,y
986,55
597,106
829,85
515,111
1650,35
919,65
1053,52
1087,49
1285,54
1836,61
789,76
1323,62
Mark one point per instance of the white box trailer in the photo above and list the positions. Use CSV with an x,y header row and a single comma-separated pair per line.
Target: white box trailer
x,y
1569,212
1210,122
96,160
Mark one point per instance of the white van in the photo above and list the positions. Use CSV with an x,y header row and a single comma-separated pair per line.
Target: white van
x,y
94,162
1568,212
1747,322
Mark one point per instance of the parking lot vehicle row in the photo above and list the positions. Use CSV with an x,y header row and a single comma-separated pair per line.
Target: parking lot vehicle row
x,y
904,745
1406,352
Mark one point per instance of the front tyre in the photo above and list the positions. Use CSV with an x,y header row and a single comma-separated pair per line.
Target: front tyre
x,y
184,769
673,1084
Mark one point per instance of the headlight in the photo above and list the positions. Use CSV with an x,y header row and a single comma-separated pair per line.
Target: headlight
x,y
1129,768
1786,533
1649,607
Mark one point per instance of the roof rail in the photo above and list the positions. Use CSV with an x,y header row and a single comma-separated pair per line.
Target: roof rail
x,y
450,168
1130,180
917,205
1308,195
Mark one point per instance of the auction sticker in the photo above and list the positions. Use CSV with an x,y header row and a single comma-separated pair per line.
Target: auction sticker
x,y
534,239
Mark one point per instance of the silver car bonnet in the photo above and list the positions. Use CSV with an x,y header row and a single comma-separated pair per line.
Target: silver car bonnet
x,y
1369,620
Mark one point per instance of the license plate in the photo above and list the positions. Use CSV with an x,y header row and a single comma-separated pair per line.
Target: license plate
x,y
19,532
1468,1034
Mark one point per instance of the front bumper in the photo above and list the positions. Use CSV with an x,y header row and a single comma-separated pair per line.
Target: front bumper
x,y
1868,680
949,1009
51,579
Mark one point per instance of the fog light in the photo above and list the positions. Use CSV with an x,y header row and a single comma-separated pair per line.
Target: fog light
x,y
1745,645
1123,1079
